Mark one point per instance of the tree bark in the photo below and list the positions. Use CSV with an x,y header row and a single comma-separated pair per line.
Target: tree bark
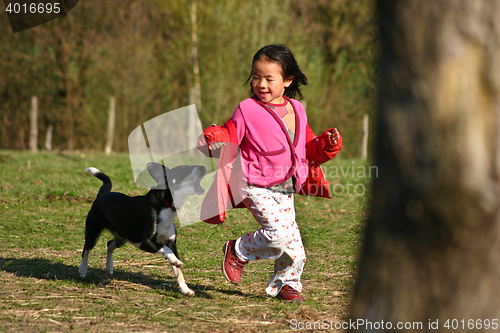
x,y
111,126
194,53
432,244
5,131
34,125
48,137
364,137
192,131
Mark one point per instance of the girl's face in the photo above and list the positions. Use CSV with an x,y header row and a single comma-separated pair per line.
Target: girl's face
x,y
268,83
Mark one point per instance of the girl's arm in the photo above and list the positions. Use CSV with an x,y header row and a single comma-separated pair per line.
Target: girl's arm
x,y
323,147
213,138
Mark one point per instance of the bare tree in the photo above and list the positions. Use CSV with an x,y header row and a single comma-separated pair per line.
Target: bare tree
x,y
432,246
34,124
141,52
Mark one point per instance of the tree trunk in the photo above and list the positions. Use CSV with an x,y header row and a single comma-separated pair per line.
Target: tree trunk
x,y
111,126
48,137
192,133
364,137
194,54
5,131
34,125
432,245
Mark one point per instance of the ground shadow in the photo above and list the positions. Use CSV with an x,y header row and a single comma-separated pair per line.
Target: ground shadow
x,y
45,269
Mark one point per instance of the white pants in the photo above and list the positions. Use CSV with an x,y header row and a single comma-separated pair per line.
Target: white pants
x,y
278,238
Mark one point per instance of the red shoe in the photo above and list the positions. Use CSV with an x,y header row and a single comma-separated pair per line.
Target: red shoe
x,y
289,294
232,266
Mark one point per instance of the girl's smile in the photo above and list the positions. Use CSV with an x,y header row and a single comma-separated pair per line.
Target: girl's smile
x,y
267,81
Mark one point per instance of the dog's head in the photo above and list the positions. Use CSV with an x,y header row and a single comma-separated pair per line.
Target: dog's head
x,y
182,180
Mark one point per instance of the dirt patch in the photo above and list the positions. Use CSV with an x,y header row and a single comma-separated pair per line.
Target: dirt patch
x,y
68,198
4,158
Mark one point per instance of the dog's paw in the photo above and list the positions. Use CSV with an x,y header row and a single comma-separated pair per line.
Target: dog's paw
x,y
109,265
82,271
178,263
173,260
187,292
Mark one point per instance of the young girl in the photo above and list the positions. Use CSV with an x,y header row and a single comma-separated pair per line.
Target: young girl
x,y
277,150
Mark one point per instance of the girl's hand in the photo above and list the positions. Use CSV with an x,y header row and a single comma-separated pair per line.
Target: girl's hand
x,y
334,136
216,145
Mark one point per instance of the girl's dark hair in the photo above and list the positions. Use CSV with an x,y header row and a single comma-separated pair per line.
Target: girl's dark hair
x,y
281,54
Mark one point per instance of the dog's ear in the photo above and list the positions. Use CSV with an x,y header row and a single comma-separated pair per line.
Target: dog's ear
x,y
158,172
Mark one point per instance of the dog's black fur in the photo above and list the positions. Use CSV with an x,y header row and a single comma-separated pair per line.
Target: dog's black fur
x,y
145,221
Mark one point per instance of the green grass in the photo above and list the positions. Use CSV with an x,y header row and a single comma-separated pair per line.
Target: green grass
x,y
44,199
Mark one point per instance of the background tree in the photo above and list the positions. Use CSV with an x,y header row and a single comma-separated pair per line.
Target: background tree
x,y
432,242
141,53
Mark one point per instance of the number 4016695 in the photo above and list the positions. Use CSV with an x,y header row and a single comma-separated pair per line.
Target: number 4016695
x,y
471,324
33,8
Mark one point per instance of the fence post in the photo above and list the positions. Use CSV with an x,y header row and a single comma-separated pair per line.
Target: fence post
x,y
111,125
48,137
364,139
192,136
34,124
194,54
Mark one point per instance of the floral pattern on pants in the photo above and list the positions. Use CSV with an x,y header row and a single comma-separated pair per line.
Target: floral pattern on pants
x,y
278,238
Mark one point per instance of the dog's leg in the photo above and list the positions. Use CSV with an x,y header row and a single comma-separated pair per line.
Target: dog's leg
x,y
172,258
176,267
168,233
113,244
84,265
182,283
109,256
170,239
93,231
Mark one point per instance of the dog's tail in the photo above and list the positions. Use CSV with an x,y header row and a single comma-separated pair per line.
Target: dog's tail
x,y
106,186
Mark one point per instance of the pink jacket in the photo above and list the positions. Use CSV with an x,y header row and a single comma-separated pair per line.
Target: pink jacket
x,y
272,157
268,155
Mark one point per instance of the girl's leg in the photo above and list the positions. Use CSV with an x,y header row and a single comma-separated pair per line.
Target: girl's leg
x,y
289,267
278,238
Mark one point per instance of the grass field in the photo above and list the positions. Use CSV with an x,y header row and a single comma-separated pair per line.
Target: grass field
x,y
44,199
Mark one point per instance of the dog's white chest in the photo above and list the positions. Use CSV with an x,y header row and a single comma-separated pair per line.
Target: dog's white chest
x,y
165,227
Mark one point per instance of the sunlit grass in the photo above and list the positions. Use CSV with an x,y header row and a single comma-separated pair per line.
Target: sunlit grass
x,y
44,199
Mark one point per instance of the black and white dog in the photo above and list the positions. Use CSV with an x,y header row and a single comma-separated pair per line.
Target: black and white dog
x,y
147,221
